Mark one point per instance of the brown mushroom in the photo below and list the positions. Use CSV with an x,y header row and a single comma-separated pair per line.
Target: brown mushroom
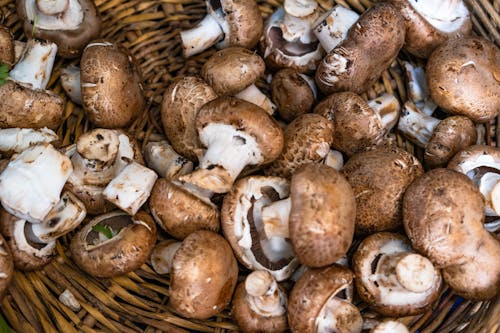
x,y
463,76
111,85
114,244
371,45
6,47
6,267
379,179
392,279
320,301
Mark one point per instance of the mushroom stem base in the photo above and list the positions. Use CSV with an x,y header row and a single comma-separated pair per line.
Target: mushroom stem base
x,y
204,35
275,218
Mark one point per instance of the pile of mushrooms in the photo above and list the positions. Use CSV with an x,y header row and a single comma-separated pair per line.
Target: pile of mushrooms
x,y
271,162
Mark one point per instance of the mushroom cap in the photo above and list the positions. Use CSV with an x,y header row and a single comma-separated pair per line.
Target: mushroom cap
x,y
231,70
70,42
356,126
307,140
126,251
475,156
292,94
379,179
390,326
392,299
421,36
322,215
180,212
463,76
26,108
371,45
7,55
450,136
247,117
6,267
181,102
313,291
204,275
111,82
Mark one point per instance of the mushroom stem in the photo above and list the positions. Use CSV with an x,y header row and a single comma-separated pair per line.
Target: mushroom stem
x,y
300,8
387,107
17,140
331,27
163,159
489,186
297,27
338,315
52,7
36,64
202,36
275,218
418,89
254,95
264,296
334,159
162,256
70,80
416,125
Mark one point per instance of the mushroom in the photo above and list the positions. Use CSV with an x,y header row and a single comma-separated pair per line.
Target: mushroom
x,y
288,40
203,275
111,85
16,140
233,72
32,182
228,23
393,279
417,88
27,253
180,212
7,47
307,140
70,81
71,24
371,46
357,124
293,92
482,165
114,244
443,215
259,304
236,133
6,267
162,255
379,179
334,159
25,102
163,159
390,326
430,23
181,102
463,77
321,301
332,26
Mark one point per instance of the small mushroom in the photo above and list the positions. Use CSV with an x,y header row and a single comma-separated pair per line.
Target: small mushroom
x,y
371,46
390,326
321,301
259,304
6,267
463,76
181,102
392,279
7,55
293,92
357,124
70,81
233,72
379,179
111,85
236,133
443,215
16,140
25,102
203,275
430,23
114,244
228,23
163,159
332,26
71,24
307,140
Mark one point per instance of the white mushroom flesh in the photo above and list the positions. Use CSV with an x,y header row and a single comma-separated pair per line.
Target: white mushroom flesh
x,y
254,95
70,81
67,298
416,126
70,19
390,326
204,35
163,159
296,28
339,315
264,296
52,7
418,90
19,139
444,15
275,218
334,159
331,27
162,256
387,108
300,8
23,245
32,182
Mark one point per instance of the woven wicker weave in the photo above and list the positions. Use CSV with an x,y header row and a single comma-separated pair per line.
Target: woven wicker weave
x,y
137,302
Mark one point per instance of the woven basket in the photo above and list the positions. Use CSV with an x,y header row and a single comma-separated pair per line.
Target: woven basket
x,y
137,302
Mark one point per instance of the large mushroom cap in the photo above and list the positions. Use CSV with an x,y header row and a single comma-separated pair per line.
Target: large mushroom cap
x,y
379,179
464,78
203,276
111,85
322,215
231,70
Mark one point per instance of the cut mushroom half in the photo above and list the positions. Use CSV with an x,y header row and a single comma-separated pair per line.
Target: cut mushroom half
x,y
16,140
392,279
332,26
162,158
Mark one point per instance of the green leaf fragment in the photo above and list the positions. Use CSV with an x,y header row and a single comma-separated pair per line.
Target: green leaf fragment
x,y
105,230
4,327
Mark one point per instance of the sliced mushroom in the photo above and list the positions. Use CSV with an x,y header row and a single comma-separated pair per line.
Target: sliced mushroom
x,y
114,244
357,124
392,279
163,159
203,276
379,179
236,134
331,27
321,302
70,81
71,24
259,304
111,85
7,55
25,102
6,266
16,140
